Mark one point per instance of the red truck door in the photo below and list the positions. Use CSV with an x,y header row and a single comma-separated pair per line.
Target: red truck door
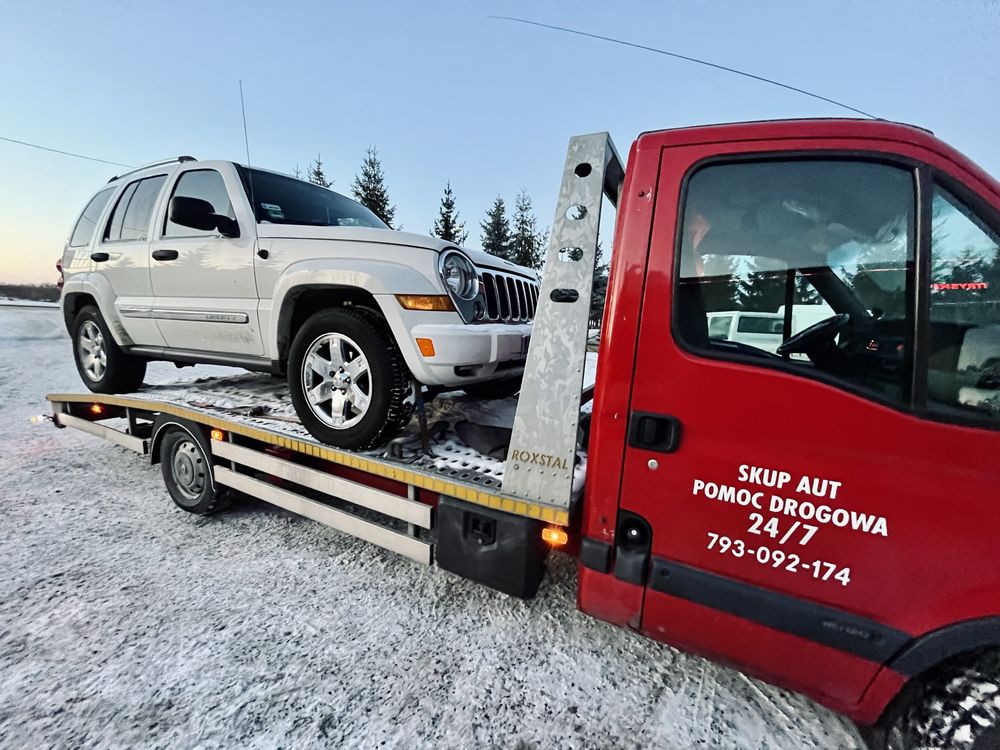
x,y
805,491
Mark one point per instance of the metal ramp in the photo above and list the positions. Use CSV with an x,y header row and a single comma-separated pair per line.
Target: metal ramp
x,y
543,446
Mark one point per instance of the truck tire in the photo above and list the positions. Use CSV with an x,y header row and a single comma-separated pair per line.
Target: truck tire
x,y
103,366
957,708
494,388
347,379
187,472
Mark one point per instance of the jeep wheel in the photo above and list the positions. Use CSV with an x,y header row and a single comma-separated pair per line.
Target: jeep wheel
x,y
347,379
958,708
103,366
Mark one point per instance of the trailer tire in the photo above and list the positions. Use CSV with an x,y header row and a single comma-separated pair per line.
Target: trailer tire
x,y
187,472
374,398
956,708
103,366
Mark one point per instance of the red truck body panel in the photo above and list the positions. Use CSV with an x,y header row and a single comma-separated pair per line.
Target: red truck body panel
x,y
924,494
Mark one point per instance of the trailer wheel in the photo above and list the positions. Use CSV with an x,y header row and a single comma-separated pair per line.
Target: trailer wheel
x,y
957,708
187,472
347,379
103,366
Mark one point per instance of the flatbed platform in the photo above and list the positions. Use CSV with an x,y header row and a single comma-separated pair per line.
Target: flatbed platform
x,y
256,407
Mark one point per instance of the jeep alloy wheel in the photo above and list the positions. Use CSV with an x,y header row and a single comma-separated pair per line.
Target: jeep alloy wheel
x,y
347,379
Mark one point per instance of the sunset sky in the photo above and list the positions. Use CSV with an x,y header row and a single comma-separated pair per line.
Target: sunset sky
x,y
445,93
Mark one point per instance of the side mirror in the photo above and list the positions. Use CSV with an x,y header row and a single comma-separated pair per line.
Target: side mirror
x,y
198,214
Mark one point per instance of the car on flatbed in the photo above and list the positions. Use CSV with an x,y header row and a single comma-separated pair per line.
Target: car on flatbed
x,y
213,262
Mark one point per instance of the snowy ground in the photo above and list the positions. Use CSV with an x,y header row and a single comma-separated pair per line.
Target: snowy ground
x,y
125,622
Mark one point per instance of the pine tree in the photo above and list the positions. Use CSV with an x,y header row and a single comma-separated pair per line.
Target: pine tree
x,y
316,175
447,225
599,292
496,230
369,188
527,243
297,173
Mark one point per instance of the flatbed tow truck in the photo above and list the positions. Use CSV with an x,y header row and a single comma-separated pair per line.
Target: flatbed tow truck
x,y
823,517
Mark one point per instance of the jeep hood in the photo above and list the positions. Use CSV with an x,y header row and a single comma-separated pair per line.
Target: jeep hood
x,y
386,237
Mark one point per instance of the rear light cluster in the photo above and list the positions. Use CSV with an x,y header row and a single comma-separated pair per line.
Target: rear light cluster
x,y
62,277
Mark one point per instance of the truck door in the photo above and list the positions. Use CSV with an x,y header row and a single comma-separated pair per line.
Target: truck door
x,y
205,293
786,501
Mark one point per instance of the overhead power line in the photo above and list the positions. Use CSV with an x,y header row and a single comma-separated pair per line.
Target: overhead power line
x,y
64,153
679,56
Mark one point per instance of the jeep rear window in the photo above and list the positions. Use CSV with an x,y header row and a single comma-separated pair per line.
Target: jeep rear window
x,y
285,200
84,230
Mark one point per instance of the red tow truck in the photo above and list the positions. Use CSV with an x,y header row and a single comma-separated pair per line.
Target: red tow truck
x,y
825,515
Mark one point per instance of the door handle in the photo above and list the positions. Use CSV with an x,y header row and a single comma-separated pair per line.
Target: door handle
x,y
99,257
165,255
654,432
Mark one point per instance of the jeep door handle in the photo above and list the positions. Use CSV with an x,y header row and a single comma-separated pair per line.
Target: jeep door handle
x,y
165,255
99,257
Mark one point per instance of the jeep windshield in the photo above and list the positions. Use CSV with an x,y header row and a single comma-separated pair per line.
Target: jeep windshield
x,y
285,200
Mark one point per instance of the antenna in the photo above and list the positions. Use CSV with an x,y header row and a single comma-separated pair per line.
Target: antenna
x,y
246,142
679,56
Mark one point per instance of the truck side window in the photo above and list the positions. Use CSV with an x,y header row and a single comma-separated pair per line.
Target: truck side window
x,y
963,368
813,258
132,214
206,185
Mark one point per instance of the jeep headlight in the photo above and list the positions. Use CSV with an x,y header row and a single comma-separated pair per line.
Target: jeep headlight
x,y
459,275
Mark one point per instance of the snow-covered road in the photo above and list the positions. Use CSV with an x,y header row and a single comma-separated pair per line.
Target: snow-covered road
x,y
125,622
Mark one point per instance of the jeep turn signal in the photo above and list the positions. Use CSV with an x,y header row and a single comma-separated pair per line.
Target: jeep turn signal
x,y
555,537
426,347
426,302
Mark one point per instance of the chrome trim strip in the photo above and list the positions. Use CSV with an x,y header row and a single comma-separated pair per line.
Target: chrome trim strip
x,y
191,315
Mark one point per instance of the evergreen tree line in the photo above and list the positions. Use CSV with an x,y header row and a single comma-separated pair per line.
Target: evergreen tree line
x,y
516,238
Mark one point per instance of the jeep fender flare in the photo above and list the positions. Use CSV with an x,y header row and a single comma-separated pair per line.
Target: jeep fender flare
x,y
380,279
96,286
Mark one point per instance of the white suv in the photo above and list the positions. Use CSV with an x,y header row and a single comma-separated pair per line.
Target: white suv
x,y
211,262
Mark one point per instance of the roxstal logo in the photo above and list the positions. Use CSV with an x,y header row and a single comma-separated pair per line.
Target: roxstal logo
x,y
539,459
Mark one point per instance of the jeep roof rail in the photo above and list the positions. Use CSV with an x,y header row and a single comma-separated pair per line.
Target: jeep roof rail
x,y
153,164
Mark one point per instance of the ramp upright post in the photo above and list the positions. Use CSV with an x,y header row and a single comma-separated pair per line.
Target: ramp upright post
x,y
543,445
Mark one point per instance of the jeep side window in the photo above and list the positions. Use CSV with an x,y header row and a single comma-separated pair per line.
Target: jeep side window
x,y
83,232
207,185
814,256
130,219
963,368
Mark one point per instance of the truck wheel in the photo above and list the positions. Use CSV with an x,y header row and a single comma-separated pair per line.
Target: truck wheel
x,y
494,388
187,473
103,366
957,709
347,379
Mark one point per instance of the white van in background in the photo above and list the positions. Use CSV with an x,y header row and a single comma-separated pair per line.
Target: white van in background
x,y
763,329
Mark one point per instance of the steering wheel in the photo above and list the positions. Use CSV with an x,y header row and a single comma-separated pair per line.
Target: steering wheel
x,y
817,333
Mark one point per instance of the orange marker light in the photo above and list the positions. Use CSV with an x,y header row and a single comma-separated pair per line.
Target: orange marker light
x,y
426,302
96,409
426,347
555,537
218,435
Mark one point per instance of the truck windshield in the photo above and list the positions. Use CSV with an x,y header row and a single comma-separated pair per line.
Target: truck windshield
x,y
285,200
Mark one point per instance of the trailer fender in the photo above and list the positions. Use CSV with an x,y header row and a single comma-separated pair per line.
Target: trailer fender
x,y
195,430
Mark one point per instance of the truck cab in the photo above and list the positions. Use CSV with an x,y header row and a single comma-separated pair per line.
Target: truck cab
x,y
821,512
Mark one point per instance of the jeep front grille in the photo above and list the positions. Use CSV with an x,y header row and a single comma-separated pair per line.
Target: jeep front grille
x,y
509,299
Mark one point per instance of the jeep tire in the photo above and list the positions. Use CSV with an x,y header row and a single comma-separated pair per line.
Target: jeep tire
x,y
347,379
103,366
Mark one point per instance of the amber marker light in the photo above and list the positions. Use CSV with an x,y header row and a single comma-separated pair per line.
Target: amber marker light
x,y
218,435
555,537
426,302
96,409
426,347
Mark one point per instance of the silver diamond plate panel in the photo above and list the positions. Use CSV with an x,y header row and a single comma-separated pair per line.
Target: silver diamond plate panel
x,y
543,445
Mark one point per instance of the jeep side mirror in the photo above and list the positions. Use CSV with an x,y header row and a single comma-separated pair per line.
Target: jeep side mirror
x,y
199,214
